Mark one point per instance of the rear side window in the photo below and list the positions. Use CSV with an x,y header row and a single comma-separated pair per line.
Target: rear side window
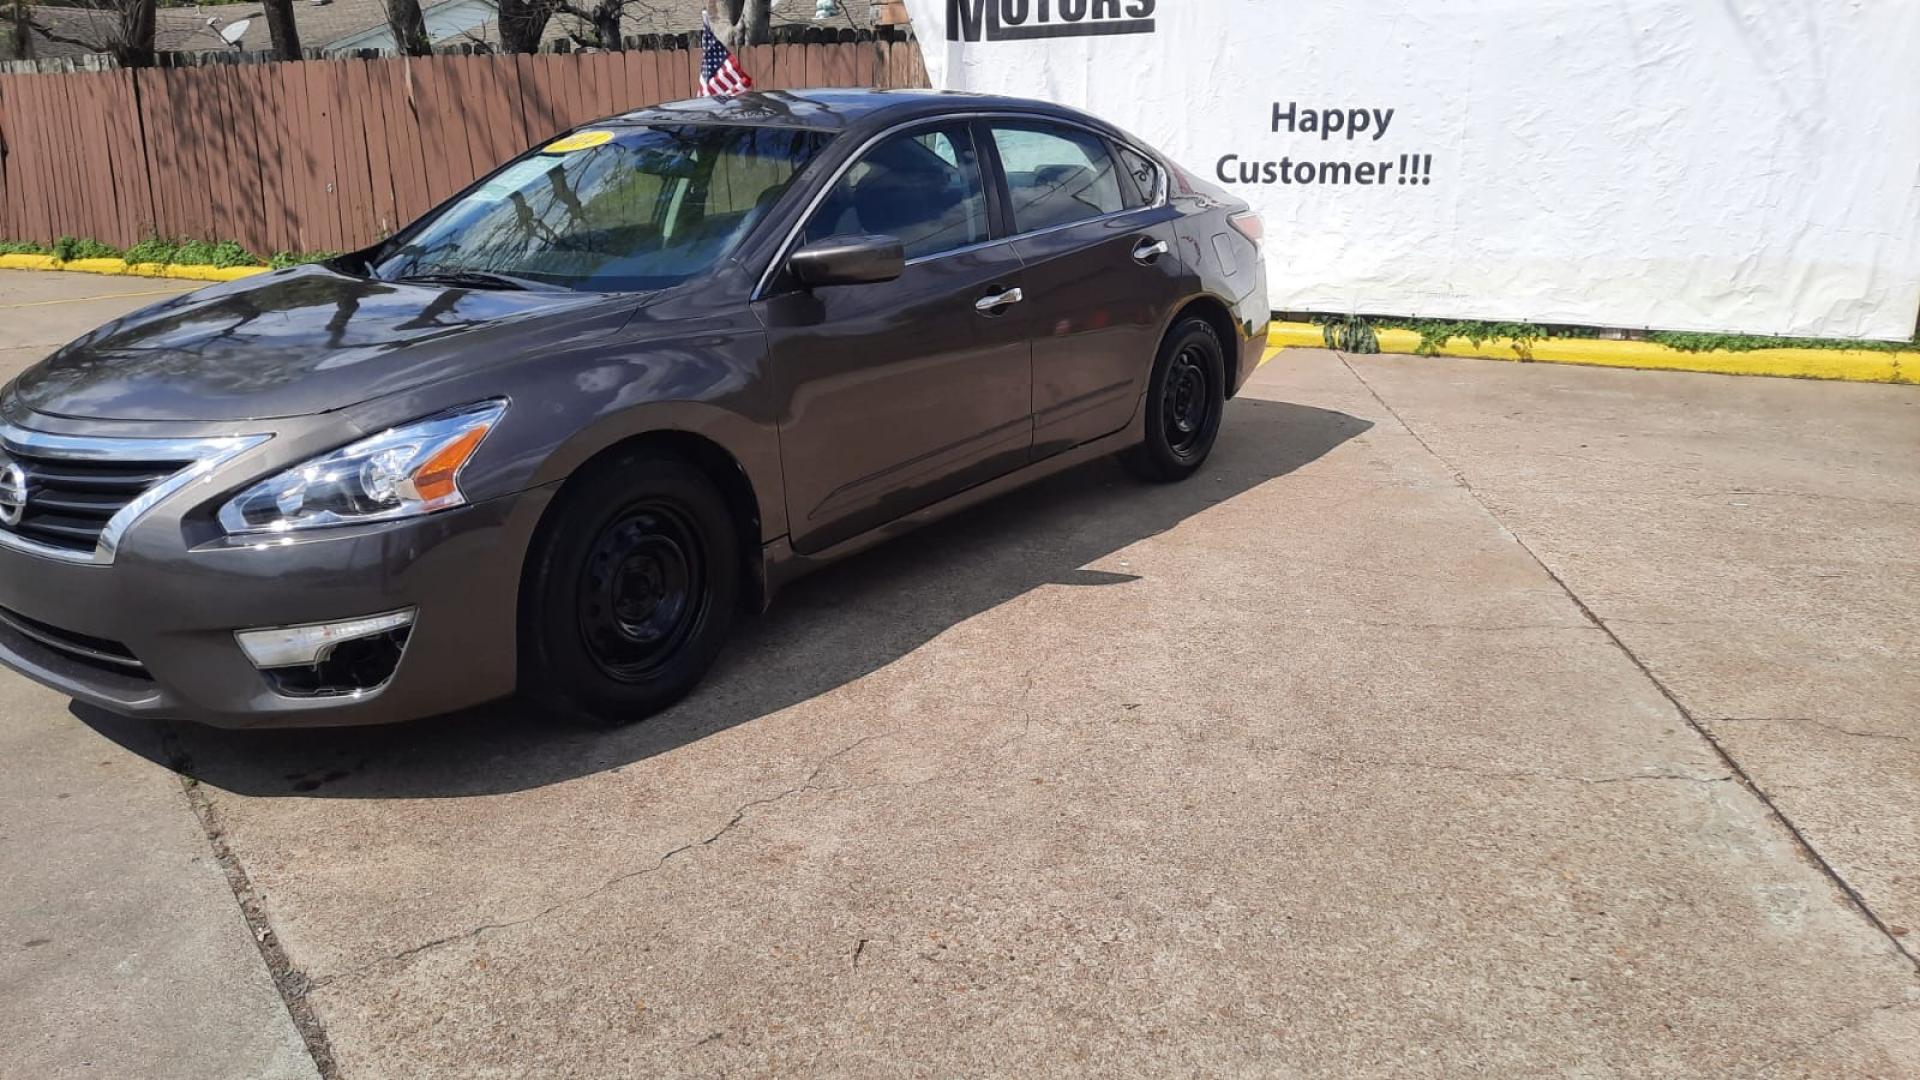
x,y
1143,177
1056,175
922,187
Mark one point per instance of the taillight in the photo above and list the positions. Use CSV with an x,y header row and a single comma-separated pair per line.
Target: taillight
x,y
1249,226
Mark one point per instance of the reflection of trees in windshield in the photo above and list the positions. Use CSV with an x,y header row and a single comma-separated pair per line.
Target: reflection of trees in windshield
x,y
769,105
649,209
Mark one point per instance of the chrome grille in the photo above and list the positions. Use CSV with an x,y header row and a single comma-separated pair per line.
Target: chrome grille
x,y
67,504
72,497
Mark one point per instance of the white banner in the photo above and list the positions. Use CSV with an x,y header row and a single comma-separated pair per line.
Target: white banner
x,y
1713,165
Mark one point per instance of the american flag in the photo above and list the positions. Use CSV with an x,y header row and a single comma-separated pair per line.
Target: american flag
x,y
720,73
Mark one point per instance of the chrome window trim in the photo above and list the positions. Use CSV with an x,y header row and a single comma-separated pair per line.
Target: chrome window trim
x,y
799,226
1029,234
205,455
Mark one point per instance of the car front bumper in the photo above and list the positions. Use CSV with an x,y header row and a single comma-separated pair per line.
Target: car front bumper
x,y
175,608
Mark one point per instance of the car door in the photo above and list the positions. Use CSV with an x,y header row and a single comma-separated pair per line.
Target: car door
x,y
1101,261
897,394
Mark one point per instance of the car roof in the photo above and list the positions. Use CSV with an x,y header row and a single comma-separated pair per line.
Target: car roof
x,y
833,109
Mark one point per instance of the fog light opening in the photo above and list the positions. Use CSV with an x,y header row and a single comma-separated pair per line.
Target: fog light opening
x,y
355,667
346,658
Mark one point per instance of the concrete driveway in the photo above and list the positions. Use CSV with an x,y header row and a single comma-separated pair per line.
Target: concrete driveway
x,y
1461,717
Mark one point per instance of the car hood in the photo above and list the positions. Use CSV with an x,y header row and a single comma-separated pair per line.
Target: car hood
x,y
296,342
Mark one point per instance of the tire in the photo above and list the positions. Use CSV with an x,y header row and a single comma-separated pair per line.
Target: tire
x,y
1186,398
630,590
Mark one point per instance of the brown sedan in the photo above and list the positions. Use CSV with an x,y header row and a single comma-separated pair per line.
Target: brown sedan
x,y
554,435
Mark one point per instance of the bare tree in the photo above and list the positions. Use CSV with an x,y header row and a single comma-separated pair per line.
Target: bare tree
x,y
599,25
409,28
137,27
744,22
123,29
22,32
281,29
523,23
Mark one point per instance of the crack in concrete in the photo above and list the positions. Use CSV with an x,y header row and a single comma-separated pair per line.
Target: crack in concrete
x,y
1468,627
289,982
1806,1047
1807,849
740,814
1517,774
1835,728
1725,493
811,783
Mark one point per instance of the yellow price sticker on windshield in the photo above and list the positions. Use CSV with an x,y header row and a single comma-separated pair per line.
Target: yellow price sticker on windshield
x,y
579,140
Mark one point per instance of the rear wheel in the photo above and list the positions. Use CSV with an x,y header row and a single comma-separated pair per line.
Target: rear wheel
x,y
1186,398
630,591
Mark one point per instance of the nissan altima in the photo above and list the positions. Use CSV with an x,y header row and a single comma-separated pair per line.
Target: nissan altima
x,y
553,437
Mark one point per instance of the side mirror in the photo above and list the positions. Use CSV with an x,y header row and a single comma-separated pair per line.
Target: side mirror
x,y
848,260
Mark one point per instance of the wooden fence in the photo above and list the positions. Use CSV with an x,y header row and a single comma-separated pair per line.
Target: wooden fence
x,y
329,155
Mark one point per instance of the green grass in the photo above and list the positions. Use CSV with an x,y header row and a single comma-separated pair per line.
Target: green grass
x,y
150,250
154,249
223,253
283,259
69,248
1749,342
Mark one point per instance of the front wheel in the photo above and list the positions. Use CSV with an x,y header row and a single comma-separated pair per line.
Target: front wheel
x,y
1186,398
630,591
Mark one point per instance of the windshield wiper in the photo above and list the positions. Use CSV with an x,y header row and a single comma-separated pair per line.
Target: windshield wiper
x,y
473,279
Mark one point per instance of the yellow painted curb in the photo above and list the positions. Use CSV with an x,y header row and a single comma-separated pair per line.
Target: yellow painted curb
x,y
1283,335
122,268
1851,365
29,262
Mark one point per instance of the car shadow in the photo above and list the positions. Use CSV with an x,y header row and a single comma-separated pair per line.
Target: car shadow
x,y
822,632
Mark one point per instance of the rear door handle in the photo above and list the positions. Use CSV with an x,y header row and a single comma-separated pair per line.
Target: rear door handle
x,y
992,302
1148,250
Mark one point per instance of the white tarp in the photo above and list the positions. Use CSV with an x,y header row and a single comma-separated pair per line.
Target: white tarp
x,y
1714,165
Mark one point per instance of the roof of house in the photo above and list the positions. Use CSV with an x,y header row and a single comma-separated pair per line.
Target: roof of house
x,y
682,16
320,24
77,31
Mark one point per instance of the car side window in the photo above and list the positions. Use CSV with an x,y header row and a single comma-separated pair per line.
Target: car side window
x,y
922,187
1056,175
1143,176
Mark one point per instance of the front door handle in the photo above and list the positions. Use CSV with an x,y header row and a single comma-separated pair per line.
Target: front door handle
x,y
992,302
1148,250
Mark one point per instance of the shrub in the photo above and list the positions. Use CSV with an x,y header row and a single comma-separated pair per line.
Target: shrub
x,y
69,248
191,253
283,259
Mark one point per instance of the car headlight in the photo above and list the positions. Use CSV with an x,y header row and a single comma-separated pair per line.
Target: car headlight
x,y
403,472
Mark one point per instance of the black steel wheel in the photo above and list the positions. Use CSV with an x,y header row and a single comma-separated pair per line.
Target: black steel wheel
x,y
630,591
643,590
1185,402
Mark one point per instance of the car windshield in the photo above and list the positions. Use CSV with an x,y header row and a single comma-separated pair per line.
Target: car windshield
x,y
608,210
